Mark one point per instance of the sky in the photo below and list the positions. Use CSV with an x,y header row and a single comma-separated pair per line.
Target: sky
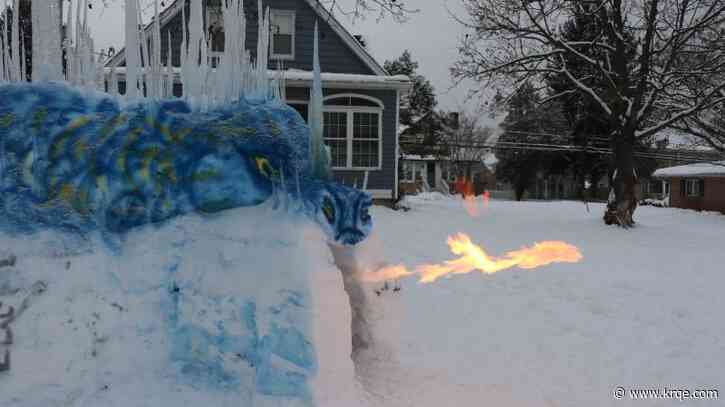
x,y
431,35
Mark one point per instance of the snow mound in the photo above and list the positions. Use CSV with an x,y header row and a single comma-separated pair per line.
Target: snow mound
x,y
241,309
411,201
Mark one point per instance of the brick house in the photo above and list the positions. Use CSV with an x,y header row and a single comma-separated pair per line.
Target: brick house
x,y
361,100
698,186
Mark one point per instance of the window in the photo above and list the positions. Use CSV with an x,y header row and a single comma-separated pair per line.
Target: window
x,y
694,187
335,133
366,140
282,36
408,171
353,131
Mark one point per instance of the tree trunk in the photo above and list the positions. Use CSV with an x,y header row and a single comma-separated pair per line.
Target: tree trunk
x,y
622,200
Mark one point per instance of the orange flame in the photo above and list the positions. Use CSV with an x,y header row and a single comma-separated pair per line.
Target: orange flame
x,y
473,257
471,206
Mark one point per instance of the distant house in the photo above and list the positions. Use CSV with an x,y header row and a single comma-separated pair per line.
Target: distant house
x,y
421,172
695,186
360,99
439,173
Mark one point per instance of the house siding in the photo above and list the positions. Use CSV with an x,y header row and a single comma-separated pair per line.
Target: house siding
x,y
377,179
713,199
335,55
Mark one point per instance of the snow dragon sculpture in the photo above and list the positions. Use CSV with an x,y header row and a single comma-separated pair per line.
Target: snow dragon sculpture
x,y
79,162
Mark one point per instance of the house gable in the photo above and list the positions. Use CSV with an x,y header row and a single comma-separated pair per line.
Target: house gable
x,y
339,52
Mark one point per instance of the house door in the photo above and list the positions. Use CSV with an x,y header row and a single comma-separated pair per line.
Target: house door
x,y
431,174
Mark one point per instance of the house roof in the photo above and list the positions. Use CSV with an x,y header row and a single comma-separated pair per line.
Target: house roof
x,y
714,169
164,16
357,48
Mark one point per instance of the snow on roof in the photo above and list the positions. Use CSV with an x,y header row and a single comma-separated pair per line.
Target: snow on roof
x,y
385,81
418,157
330,80
715,169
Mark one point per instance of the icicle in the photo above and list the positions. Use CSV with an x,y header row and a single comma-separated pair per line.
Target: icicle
x,y
318,155
46,40
297,181
191,77
67,44
261,82
145,60
113,82
169,74
184,51
23,69
156,80
285,197
3,48
17,64
132,49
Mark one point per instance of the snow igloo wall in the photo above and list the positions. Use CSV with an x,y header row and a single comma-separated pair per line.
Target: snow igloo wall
x,y
169,255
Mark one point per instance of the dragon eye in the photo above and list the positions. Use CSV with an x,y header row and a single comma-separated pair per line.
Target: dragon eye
x,y
328,210
264,167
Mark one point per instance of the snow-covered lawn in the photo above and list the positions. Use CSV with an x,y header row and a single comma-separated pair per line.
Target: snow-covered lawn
x,y
643,309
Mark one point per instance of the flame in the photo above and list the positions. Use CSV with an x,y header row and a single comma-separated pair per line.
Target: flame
x,y
472,257
469,202
464,186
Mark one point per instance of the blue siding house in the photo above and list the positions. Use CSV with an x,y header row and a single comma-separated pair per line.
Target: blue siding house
x,y
361,100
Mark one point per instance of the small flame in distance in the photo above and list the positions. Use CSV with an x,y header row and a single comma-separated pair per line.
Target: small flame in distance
x,y
472,257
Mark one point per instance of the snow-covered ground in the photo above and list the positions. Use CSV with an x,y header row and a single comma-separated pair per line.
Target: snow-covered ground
x,y
643,309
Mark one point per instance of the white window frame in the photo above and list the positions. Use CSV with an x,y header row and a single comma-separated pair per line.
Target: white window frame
x,y
692,188
351,110
272,14
409,165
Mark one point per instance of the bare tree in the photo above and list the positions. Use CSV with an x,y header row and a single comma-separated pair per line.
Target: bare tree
x,y
463,142
650,65
396,9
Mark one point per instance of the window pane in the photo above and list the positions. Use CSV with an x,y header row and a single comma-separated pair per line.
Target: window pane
x,y
282,44
335,125
365,125
335,134
407,171
365,153
281,23
338,152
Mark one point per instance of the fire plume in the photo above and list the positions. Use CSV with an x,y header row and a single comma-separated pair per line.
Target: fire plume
x,y
472,257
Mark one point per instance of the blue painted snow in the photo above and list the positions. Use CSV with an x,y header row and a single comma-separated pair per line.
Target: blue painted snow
x,y
207,356
79,162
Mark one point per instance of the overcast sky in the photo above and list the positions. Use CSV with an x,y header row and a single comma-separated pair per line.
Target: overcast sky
x,y
431,35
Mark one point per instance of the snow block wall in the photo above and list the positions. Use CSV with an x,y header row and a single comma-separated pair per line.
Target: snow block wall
x,y
182,254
